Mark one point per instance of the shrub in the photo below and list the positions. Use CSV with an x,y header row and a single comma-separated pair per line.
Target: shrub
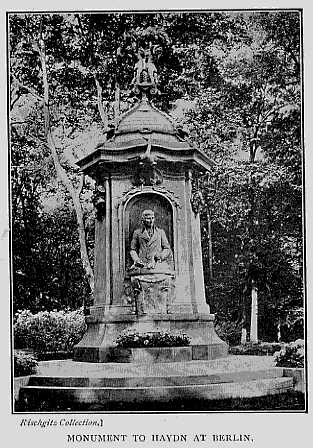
x,y
256,349
49,356
24,364
152,339
48,331
230,332
291,355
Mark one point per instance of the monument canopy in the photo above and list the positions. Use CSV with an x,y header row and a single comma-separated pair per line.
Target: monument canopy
x,y
144,133
143,128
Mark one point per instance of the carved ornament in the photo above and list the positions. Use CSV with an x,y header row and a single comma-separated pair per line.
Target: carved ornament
x,y
197,201
170,195
99,200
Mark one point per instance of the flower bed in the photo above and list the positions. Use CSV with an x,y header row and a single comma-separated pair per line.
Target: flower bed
x,y
48,331
24,364
152,339
291,355
256,349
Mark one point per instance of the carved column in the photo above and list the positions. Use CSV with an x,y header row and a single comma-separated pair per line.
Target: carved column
x,y
102,261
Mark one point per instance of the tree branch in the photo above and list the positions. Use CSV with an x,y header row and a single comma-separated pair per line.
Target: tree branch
x,y
15,100
103,113
117,103
290,50
29,90
15,123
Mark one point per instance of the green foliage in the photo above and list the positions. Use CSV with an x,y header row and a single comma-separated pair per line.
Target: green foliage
x,y
135,339
256,349
293,324
229,331
48,331
47,271
291,355
250,126
24,364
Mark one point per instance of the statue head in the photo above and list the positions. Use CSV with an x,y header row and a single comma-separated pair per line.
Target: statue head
x,y
147,218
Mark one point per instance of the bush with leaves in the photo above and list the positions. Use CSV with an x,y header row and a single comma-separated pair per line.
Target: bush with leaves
x,y
133,339
291,355
48,331
230,332
24,364
256,348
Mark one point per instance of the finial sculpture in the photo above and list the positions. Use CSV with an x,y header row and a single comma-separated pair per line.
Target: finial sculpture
x,y
145,78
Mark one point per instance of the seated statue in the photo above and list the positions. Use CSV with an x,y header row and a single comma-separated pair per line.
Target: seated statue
x,y
152,272
150,248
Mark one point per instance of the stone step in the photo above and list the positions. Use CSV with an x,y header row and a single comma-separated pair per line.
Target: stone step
x,y
150,381
70,368
41,398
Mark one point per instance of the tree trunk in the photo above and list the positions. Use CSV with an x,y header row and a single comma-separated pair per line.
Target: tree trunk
x,y
30,265
102,111
279,331
61,173
251,232
117,104
210,248
243,339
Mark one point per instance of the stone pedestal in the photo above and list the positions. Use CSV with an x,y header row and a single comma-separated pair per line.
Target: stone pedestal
x,y
147,165
98,344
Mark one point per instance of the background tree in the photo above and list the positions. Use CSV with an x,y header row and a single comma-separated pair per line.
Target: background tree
x,y
251,186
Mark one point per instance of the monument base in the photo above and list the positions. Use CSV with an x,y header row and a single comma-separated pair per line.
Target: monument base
x,y
98,343
70,386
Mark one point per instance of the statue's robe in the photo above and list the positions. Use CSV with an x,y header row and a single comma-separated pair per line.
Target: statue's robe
x,y
147,247
154,286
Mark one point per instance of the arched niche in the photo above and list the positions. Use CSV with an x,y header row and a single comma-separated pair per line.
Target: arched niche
x,y
133,211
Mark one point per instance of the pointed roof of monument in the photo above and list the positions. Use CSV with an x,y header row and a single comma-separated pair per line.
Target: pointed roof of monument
x,y
144,129
145,122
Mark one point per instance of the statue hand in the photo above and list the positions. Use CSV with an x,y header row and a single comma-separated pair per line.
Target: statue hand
x,y
151,265
137,264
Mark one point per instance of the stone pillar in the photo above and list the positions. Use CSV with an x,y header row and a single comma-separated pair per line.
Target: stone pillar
x,y
102,251
195,256
254,313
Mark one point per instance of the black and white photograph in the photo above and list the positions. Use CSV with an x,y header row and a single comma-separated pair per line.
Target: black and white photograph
x,y
157,215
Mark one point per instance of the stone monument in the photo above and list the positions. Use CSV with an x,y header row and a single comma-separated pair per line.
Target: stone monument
x,y
148,261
